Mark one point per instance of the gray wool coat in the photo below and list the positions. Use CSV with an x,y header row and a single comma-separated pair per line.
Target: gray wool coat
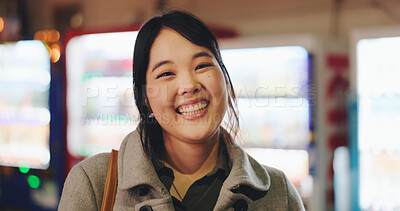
x,y
249,186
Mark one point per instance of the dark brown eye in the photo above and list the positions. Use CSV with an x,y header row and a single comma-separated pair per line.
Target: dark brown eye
x,y
203,66
164,74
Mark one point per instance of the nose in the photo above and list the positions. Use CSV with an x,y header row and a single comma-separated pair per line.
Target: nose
x,y
188,85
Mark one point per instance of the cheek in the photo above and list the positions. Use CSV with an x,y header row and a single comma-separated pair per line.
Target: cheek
x,y
161,100
217,88
154,97
152,91
159,96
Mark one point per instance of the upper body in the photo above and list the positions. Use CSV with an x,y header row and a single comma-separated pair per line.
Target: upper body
x,y
248,185
182,92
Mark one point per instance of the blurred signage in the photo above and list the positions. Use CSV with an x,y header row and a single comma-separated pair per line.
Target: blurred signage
x,y
24,104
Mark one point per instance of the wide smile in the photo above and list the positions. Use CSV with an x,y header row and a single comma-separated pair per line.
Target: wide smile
x,y
193,111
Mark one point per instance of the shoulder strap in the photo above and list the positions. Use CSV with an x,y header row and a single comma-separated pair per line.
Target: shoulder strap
x,y
110,188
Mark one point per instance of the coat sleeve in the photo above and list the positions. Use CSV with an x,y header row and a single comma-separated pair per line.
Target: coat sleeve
x,y
78,193
294,201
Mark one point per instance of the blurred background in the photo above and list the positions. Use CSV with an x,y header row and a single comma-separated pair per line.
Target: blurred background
x,y
318,86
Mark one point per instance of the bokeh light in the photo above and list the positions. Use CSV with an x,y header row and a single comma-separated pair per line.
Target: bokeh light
x,y
76,20
48,36
1,24
55,53
84,151
24,167
33,181
51,38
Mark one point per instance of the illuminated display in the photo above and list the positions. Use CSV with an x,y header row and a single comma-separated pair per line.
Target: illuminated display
x,y
272,86
24,105
101,107
266,72
274,122
378,88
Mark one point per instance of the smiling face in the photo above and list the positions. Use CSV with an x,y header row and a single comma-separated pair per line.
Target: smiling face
x,y
185,88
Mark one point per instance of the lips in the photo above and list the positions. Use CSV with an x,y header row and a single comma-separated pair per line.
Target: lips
x,y
193,110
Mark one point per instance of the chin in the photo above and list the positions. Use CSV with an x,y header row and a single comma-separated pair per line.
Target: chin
x,y
197,134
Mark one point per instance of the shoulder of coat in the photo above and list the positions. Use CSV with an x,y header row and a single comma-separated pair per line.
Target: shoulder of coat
x,y
96,165
274,172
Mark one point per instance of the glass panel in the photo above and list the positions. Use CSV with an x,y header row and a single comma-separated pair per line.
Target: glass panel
x,y
263,72
378,87
24,104
101,109
271,84
274,122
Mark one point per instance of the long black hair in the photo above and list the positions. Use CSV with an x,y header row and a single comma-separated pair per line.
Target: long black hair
x,y
196,32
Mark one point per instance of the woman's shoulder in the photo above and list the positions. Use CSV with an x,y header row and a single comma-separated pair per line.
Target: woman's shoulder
x,y
273,172
95,163
83,188
277,177
274,175
282,184
94,168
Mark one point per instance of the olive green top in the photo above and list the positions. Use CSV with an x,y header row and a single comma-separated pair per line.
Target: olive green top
x,y
204,192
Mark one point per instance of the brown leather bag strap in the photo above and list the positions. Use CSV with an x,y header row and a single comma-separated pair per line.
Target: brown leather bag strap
x,y
110,188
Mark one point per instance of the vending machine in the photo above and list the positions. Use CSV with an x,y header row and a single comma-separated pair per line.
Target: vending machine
x,y
272,85
100,105
375,139
26,178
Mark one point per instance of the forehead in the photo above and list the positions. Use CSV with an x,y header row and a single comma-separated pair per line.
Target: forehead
x,y
170,43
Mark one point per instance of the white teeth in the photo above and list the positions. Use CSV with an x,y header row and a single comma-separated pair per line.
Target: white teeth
x,y
192,109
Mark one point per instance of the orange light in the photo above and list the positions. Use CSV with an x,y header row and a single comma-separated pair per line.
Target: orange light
x,y
39,35
55,46
55,53
1,24
54,35
48,36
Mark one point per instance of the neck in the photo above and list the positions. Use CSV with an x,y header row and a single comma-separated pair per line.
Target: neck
x,y
185,156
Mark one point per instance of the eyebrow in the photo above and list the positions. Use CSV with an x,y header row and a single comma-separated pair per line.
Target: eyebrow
x,y
200,54
195,56
160,64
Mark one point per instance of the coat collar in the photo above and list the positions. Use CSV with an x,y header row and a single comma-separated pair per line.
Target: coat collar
x,y
136,168
245,170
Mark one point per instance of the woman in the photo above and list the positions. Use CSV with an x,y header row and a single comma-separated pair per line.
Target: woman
x,y
180,157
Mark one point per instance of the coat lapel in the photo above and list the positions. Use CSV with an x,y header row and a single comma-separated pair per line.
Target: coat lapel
x,y
134,166
248,180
